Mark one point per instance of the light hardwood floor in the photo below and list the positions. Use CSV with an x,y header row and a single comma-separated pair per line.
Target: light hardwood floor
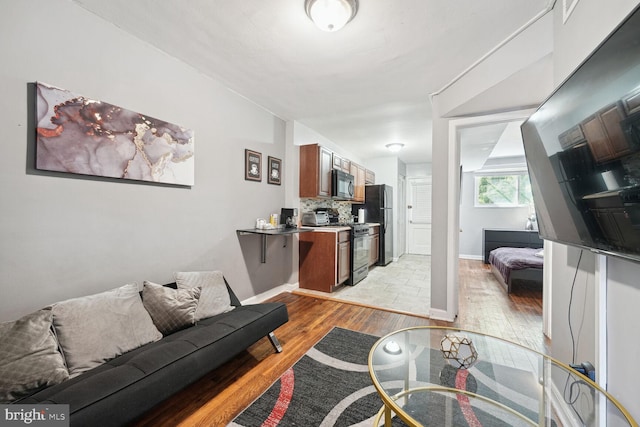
x,y
218,397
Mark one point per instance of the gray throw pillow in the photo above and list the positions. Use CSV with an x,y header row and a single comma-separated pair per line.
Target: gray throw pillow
x,y
215,297
96,328
29,357
170,309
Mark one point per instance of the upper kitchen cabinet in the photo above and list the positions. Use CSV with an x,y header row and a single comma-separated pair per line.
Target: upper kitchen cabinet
x,y
604,134
359,174
316,163
341,164
369,177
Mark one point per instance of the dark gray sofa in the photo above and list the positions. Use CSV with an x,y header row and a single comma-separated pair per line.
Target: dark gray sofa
x,y
121,390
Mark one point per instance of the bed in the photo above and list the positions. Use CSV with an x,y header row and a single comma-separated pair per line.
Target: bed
x,y
514,264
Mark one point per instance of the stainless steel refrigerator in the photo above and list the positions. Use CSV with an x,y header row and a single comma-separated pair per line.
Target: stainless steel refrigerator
x,y
379,208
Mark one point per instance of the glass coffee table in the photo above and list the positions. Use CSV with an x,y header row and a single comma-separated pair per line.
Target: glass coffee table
x,y
436,376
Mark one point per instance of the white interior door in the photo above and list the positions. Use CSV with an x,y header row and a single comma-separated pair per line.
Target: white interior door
x,y
419,208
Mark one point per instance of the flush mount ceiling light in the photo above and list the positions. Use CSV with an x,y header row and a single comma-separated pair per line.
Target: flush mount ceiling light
x,y
331,15
394,147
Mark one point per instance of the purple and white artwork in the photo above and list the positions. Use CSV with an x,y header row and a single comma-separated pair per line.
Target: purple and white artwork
x,y
79,135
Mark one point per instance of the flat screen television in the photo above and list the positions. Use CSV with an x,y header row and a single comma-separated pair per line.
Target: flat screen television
x,y
582,147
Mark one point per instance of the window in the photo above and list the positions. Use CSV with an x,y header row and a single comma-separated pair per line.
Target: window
x,y
503,190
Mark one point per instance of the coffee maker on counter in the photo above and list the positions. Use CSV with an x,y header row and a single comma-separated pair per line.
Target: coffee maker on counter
x,y
289,217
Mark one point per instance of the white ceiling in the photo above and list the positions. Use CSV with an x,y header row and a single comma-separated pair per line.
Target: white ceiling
x,y
361,87
496,141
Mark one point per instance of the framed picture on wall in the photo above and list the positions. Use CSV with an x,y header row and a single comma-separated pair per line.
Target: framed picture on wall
x,y
275,170
252,165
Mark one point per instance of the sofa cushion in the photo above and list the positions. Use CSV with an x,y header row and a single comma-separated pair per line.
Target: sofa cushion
x,y
96,328
119,391
214,298
29,357
170,309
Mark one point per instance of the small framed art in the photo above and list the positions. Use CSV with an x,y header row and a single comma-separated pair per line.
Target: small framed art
x,y
275,171
252,165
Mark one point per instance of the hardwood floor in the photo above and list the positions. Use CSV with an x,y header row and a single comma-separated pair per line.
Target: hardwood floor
x,y
218,397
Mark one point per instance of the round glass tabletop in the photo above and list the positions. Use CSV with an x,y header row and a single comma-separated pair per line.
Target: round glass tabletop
x,y
436,376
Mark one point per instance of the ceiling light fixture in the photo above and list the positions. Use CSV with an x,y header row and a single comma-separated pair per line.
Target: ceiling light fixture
x,y
394,147
331,15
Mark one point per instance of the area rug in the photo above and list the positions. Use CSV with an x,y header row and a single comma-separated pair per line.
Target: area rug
x,y
330,386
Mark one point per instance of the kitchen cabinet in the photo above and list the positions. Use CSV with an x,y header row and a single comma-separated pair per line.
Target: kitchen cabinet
x,y
344,256
324,259
342,164
369,177
374,248
358,173
631,103
616,213
604,133
316,163
571,137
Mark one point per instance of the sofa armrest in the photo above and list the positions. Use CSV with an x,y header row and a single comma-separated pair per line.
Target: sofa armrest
x,y
234,299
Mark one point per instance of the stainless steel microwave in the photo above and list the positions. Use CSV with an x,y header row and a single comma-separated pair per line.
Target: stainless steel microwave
x,y
342,185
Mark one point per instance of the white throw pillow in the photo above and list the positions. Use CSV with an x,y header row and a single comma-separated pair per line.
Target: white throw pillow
x,y
96,328
29,357
215,297
171,309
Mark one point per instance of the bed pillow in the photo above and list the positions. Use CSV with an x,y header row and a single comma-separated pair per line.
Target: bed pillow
x,y
171,309
539,254
29,356
100,327
215,297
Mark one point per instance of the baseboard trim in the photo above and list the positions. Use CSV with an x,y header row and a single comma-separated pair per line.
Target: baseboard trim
x,y
437,314
473,257
257,299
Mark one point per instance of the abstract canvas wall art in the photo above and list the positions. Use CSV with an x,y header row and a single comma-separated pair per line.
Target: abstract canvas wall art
x,y
79,135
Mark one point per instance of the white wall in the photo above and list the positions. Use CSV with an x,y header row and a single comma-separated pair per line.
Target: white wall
x,y
303,135
572,45
63,236
418,170
474,219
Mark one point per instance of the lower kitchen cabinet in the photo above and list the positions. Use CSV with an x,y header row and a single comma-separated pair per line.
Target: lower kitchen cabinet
x,y
324,259
374,248
344,256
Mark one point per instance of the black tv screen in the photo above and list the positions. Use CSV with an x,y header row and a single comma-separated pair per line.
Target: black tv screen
x,y
582,147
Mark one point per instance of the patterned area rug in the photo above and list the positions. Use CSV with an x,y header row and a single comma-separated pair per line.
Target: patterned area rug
x,y
331,386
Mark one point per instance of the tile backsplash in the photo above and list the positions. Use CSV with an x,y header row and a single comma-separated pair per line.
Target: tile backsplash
x,y
343,208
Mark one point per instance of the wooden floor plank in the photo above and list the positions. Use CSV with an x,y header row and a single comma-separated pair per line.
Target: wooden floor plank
x,y
222,394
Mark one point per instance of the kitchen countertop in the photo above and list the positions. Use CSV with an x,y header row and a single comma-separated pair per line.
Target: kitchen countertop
x,y
335,228
329,228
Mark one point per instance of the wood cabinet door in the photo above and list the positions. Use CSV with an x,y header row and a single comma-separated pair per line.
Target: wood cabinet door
x,y
611,118
358,173
369,177
374,249
597,138
337,161
325,167
346,166
344,262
